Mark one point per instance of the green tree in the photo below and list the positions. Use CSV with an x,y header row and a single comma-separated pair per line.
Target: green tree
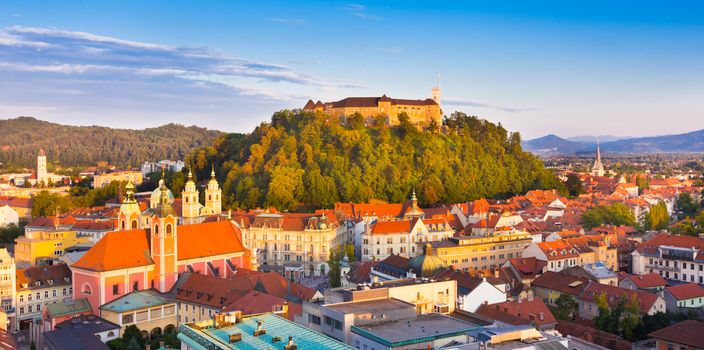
x,y
133,344
657,217
574,185
686,206
285,187
614,214
356,121
566,307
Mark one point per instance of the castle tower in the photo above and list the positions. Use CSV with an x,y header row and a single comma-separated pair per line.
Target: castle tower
x,y
213,194
41,168
435,92
164,243
129,216
598,168
189,201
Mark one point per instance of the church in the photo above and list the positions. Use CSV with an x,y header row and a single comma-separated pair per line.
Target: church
x,y
151,249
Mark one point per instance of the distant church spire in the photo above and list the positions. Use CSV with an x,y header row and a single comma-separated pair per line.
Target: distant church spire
x,y
598,168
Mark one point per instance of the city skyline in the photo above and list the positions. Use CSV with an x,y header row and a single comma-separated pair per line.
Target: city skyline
x,y
546,68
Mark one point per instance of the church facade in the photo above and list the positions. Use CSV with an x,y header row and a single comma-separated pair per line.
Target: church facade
x,y
151,249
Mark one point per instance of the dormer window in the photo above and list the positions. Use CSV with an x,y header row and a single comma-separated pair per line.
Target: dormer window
x,y
50,281
38,283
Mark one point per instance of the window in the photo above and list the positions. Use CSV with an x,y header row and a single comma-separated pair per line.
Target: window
x,y
135,286
168,229
29,309
115,289
39,295
21,310
314,319
127,319
22,298
46,294
29,297
53,293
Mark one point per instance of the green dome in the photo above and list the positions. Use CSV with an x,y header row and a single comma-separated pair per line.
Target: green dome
x,y
426,264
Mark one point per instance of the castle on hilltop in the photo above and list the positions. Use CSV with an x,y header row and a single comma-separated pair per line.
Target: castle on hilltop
x,y
420,112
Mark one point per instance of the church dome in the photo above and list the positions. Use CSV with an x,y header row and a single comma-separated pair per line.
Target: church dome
x,y
426,264
156,195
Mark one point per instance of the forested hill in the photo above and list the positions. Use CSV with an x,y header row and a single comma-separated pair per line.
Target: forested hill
x,y
21,138
304,161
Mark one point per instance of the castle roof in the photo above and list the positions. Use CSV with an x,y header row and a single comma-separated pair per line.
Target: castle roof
x,y
374,102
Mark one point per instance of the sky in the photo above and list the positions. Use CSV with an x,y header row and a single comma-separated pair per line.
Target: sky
x,y
625,68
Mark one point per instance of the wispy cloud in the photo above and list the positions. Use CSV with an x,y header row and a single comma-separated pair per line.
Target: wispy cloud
x,y
60,73
291,21
359,11
81,53
459,102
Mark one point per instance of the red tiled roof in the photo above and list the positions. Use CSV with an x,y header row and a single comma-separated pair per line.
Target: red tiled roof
x,y
528,267
117,250
392,227
593,335
256,302
649,280
360,273
42,274
528,310
664,239
561,282
686,291
208,239
614,294
687,332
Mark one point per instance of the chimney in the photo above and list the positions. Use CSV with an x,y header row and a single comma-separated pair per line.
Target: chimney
x,y
290,345
260,330
285,309
541,316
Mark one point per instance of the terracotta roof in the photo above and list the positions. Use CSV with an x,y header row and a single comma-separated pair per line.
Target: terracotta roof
x,y
117,250
526,310
686,291
649,280
664,239
94,225
687,332
614,294
528,267
256,302
359,273
16,202
49,275
593,335
561,282
208,239
309,105
48,221
391,227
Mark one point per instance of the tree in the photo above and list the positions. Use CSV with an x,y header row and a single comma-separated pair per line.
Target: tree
x,y
603,320
574,185
566,307
356,121
686,206
615,214
657,217
133,344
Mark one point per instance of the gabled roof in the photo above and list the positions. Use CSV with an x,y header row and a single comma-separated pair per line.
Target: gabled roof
x,y
528,267
43,276
526,310
117,250
561,282
593,335
208,239
687,332
256,302
686,291
649,280
68,307
614,294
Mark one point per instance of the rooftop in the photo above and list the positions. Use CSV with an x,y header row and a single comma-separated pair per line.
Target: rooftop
x,y
377,305
137,300
198,335
414,330
687,332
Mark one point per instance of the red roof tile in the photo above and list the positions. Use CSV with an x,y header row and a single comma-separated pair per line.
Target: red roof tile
x,y
687,332
686,291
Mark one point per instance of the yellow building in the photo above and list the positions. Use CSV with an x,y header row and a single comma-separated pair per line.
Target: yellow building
x,y
103,180
420,112
481,252
152,312
45,244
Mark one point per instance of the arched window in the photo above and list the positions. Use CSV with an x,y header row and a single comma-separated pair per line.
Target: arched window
x,y
123,225
134,224
210,197
168,229
187,199
156,228
86,289
111,334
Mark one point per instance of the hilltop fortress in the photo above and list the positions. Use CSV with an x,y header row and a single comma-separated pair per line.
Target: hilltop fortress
x,y
420,112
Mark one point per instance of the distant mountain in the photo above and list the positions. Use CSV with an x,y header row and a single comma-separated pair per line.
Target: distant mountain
x,y
551,145
21,138
594,139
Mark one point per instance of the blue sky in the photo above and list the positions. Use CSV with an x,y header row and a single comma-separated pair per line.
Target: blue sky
x,y
598,67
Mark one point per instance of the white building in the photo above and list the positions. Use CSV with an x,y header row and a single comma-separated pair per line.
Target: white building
x,y
171,165
402,237
484,292
8,216
7,286
675,258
